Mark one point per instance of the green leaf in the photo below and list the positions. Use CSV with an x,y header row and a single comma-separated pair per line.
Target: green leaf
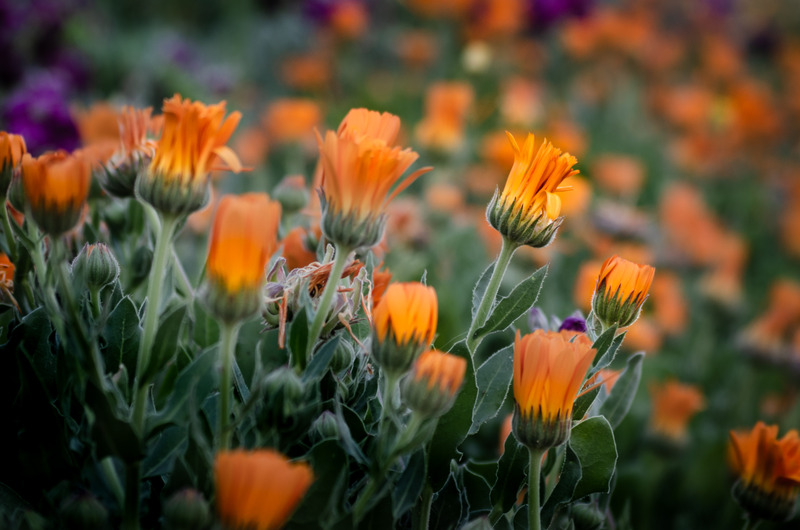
x,y
298,333
594,445
113,436
510,474
165,345
513,306
619,401
122,334
205,329
169,444
452,427
583,403
564,489
480,288
493,378
606,345
478,489
450,507
321,361
324,500
409,485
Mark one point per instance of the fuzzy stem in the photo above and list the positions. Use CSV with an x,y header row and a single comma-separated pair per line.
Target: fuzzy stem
x,y
534,517
425,508
331,286
503,259
130,519
114,483
227,346
12,245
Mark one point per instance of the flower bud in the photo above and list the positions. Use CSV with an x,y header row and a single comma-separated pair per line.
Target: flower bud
x,y
325,427
431,387
83,512
586,516
119,179
12,147
97,265
187,509
622,288
292,193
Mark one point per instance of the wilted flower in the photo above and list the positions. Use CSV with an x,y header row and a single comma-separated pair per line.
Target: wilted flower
x,y
192,142
404,325
674,404
768,471
549,369
527,211
431,387
622,288
243,238
56,186
258,489
360,167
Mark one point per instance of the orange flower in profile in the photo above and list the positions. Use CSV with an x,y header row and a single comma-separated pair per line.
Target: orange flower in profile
x,y
192,144
621,290
404,325
292,119
243,238
12,147
360,169
258,489
768,470
434,381
549,369
56,186
674,404
527,211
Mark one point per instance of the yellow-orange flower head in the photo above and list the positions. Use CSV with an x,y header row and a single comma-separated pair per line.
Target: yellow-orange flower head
x,y
527,211
549,370
431,387
258,489
243,237
12,147
404,325
621,290
56,186
192,144
768,470
362,172
134,152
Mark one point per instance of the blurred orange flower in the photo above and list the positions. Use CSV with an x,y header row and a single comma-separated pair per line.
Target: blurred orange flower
x,y
292,119
674,404
447,105
619,175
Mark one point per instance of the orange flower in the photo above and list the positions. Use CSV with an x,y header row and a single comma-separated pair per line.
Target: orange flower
x,y
12,147
380,282
404,325
243,238
619,174
191,145
669,303
447,105
134,152
296,249
621,290
527,211
349,19
585,283
434,381
7,270
549,370
56,186
292,119
258,489
360,167
768,470
97,124
674,404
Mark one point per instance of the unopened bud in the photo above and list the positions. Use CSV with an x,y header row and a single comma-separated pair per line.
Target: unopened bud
x,y
186,510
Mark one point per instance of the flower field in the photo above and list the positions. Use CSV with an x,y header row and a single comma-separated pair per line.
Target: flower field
x,y
513,264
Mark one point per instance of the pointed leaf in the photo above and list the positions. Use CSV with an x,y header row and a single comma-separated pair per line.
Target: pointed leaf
x,y
298,333
480,287
619,401
165,345
409,485
593,443
121,334
562,493
493,378
510,474
516,304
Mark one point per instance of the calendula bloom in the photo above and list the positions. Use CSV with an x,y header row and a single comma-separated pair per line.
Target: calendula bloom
x,y
191,145
431,387
243,238
12,147
527,211
768,471
258,489
56,185
674,404
134,152
7,270
621,289
549,369
362,172
404,325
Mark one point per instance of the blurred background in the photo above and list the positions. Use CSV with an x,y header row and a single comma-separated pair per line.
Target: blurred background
x,y
682,113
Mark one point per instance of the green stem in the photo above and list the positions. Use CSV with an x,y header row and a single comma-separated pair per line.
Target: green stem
x,y
534,517
12,245
750,523
114,483
331,286
227,345
366,494
503,259
425,508
155,284
184,286
389,384
130,519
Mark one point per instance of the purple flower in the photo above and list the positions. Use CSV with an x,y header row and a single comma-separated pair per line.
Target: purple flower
x,y
38,110
573,324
